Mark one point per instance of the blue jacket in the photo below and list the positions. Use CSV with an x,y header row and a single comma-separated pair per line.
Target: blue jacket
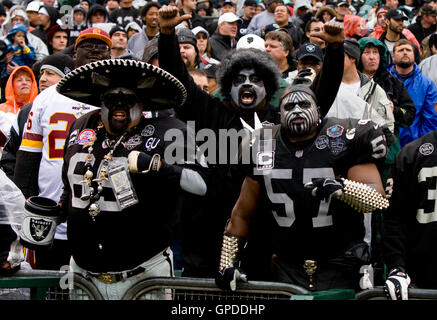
x,y
424,94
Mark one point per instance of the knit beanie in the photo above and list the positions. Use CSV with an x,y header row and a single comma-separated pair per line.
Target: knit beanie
x,y
59,63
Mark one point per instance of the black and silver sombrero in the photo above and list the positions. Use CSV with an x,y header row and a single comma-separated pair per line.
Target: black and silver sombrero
x,y
156,88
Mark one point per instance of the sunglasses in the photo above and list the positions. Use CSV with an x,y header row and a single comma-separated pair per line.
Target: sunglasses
x,y
94,46
117,99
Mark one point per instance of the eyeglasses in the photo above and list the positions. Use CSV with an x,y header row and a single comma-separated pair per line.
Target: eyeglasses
x,y
94,46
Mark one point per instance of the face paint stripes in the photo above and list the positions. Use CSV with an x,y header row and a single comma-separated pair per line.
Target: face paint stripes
x,y
309,117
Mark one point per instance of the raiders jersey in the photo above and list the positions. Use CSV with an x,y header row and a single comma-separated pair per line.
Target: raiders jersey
x,y
410,224
47,126
302,226
120,239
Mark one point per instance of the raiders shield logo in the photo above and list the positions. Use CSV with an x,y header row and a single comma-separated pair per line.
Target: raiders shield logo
x,y
39,229
265,160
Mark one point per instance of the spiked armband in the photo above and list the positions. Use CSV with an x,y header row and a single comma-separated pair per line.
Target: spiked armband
x,y
361,197
231,251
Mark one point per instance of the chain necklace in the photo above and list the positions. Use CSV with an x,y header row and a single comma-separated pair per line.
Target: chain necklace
x,y
89,192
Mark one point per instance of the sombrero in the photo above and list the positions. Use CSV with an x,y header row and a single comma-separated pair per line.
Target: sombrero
x,y
155,87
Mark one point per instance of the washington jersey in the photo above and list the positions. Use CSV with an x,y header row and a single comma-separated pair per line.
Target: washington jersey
x,y
304,227
410,224
47,126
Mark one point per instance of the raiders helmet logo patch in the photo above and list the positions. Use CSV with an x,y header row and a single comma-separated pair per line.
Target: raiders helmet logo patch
x,y
148,131
265,160
426,149
133,142
39,229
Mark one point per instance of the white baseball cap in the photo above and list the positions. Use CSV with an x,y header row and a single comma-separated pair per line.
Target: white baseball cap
x,y
228,17
33,6
251,41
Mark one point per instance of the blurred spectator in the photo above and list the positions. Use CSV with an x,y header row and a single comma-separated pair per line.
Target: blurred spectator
x,y
421,89
149,17
48,17
315,25
223,39
85,4
354,27
18,15
32,13
210,71
425,23
309,56
111,6
428,66
58,38
280,46
21,89
200,79
18,51
260,8
282,21
264,18
300,13
132,28
394,20
96,14
189,7
249,11
228,6
373,63
119,44
325,14
203,45
78,23
392,4
341,9
125,14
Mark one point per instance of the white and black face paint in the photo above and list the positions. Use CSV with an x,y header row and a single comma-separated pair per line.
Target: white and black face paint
x,y
248,89
299,113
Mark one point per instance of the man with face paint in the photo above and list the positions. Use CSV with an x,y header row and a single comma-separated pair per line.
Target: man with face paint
x,y
121,222
309,236
248,79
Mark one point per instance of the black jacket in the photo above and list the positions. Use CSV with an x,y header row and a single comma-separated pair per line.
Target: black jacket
x,y
221,45
420,32
206,218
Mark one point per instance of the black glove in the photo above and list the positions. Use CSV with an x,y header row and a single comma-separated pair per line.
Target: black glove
x,y
325,188
141,162
304,76
226,279
396,285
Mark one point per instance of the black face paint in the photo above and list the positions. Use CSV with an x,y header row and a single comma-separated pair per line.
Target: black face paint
x,y
119,109
299,113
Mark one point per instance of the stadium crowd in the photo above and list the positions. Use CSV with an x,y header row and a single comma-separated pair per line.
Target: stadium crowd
x,y
348,89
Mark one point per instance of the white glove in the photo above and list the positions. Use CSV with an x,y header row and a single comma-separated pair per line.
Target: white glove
x,y
396,285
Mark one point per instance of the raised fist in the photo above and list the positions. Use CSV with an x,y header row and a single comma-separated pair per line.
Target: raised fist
x,y
333,33
169,18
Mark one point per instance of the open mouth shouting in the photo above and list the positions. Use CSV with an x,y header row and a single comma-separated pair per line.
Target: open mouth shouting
x,y
247,97
119,115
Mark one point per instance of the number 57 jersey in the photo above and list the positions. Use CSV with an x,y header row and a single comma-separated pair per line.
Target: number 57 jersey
x,y
46,129
304,227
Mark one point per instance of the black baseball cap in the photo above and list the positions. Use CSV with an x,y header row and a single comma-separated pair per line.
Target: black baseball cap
x,y
228,2
250,3
396,14
309,50
342,3
352,48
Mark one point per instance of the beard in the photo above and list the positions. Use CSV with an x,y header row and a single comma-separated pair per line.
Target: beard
x,y
405,64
